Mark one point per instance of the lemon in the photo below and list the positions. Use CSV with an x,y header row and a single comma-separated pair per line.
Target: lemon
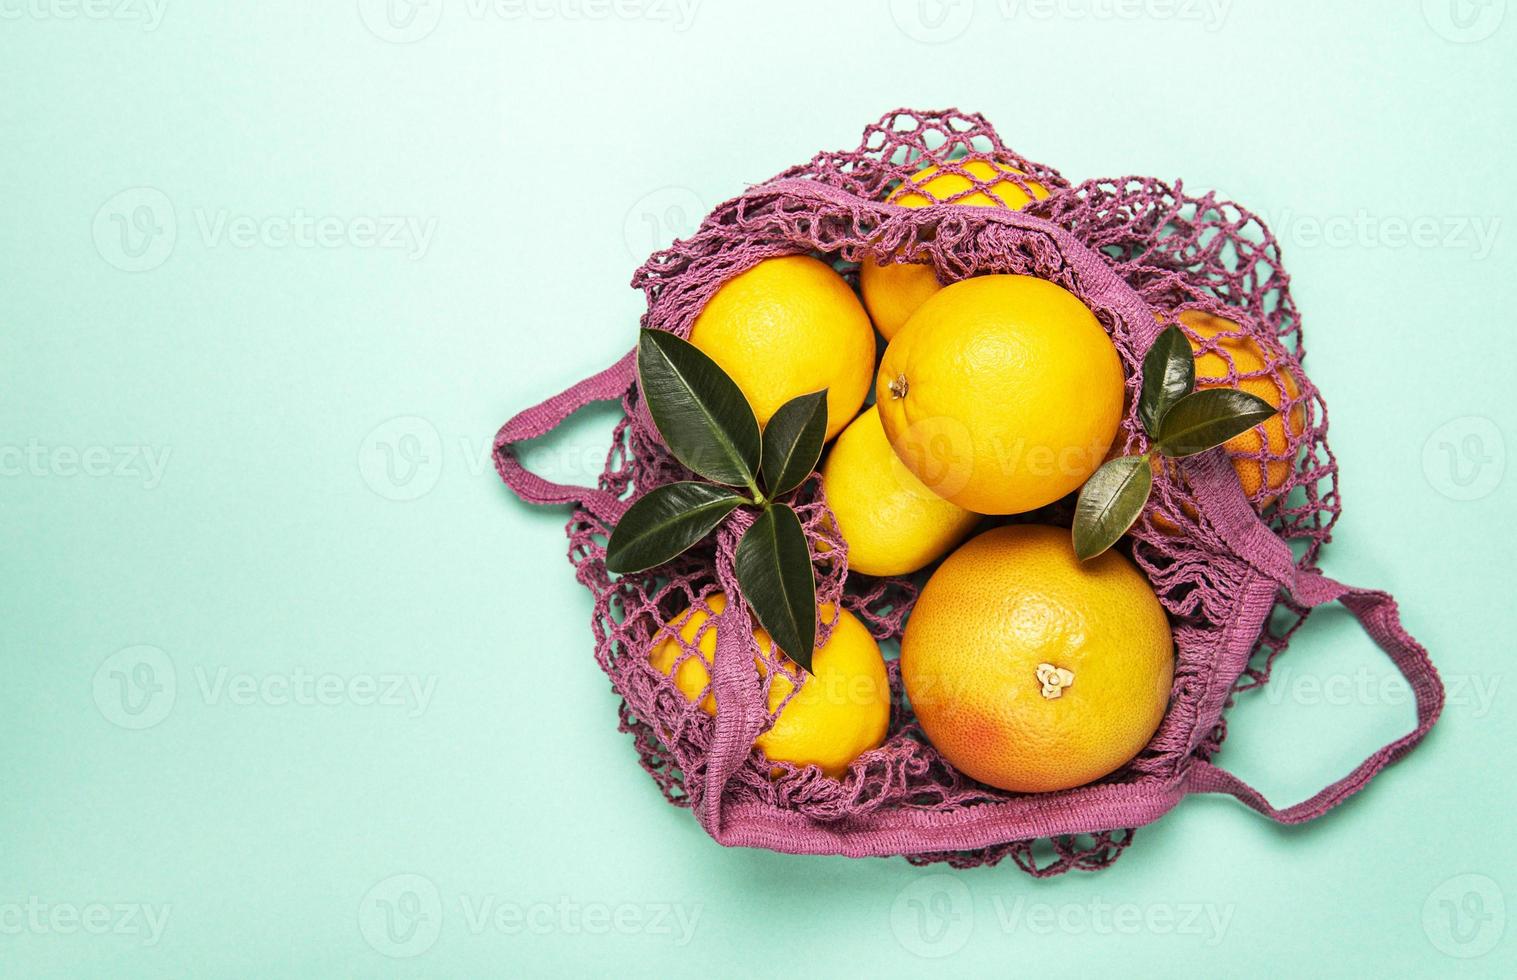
x,y
893,291
1031,670
1002,393
786,327
841,711
893,523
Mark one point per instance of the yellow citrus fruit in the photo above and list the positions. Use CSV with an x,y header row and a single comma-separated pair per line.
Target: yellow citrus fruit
x,y
786,327
1271,437
1002,393
893,523
841,711
1276,432
892,292
1032,671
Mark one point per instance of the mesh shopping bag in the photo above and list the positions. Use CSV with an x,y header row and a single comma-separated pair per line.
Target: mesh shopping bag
x,y
1237,573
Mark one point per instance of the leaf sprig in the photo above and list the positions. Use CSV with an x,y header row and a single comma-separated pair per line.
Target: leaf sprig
x,y
1179,420
709,426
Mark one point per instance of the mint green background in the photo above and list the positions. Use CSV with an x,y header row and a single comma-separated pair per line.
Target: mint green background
x,y
535,144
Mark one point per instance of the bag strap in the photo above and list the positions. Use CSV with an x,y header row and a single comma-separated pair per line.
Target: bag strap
x,y
539,420
1376,611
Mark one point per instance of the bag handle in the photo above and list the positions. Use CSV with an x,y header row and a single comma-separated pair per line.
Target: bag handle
x,y
1235,520
539,420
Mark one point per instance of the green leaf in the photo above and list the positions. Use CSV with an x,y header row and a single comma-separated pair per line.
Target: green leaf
x,y
664,522
793,442
1169,374
1109,502
774,571
1203,419
701,413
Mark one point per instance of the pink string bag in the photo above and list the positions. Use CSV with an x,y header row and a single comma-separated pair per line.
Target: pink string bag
x,y
1237,585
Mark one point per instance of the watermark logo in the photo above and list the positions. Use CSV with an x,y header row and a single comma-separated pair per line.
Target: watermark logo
x,y
1465,458
148,13
138,229
938,451
400,21
135,688
567,916
1469,233
300,229
135,230
139,920
660,217
1475,693
144,463
1211,14
1206,921
933,916
401,459
301,688
1465,916
1464,21
401,916
407,21
932,21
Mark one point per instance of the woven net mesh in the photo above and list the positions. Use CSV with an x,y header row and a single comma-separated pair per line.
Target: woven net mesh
x,y
1179,252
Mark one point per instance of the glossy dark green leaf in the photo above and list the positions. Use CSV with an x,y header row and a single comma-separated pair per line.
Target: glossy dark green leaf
x,y
701,413
793,442
1203,419
1169,374
774,571
664,522
1109,503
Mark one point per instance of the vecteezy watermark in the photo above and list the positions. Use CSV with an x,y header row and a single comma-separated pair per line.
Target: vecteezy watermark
x,y
40,917
403,458
402,916
407,21
147,13
1474,234
137,230
1465,916
939,21
932,917
1210,14
137,688
1464,21
1465,458
659,217
400,21
1475,693
1204,921
932,21
144,463
489,913
303,688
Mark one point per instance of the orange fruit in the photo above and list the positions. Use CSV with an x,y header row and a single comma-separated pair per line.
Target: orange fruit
x,y
841,711
1002,394
1270,438
893,291
786,327
1032,671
